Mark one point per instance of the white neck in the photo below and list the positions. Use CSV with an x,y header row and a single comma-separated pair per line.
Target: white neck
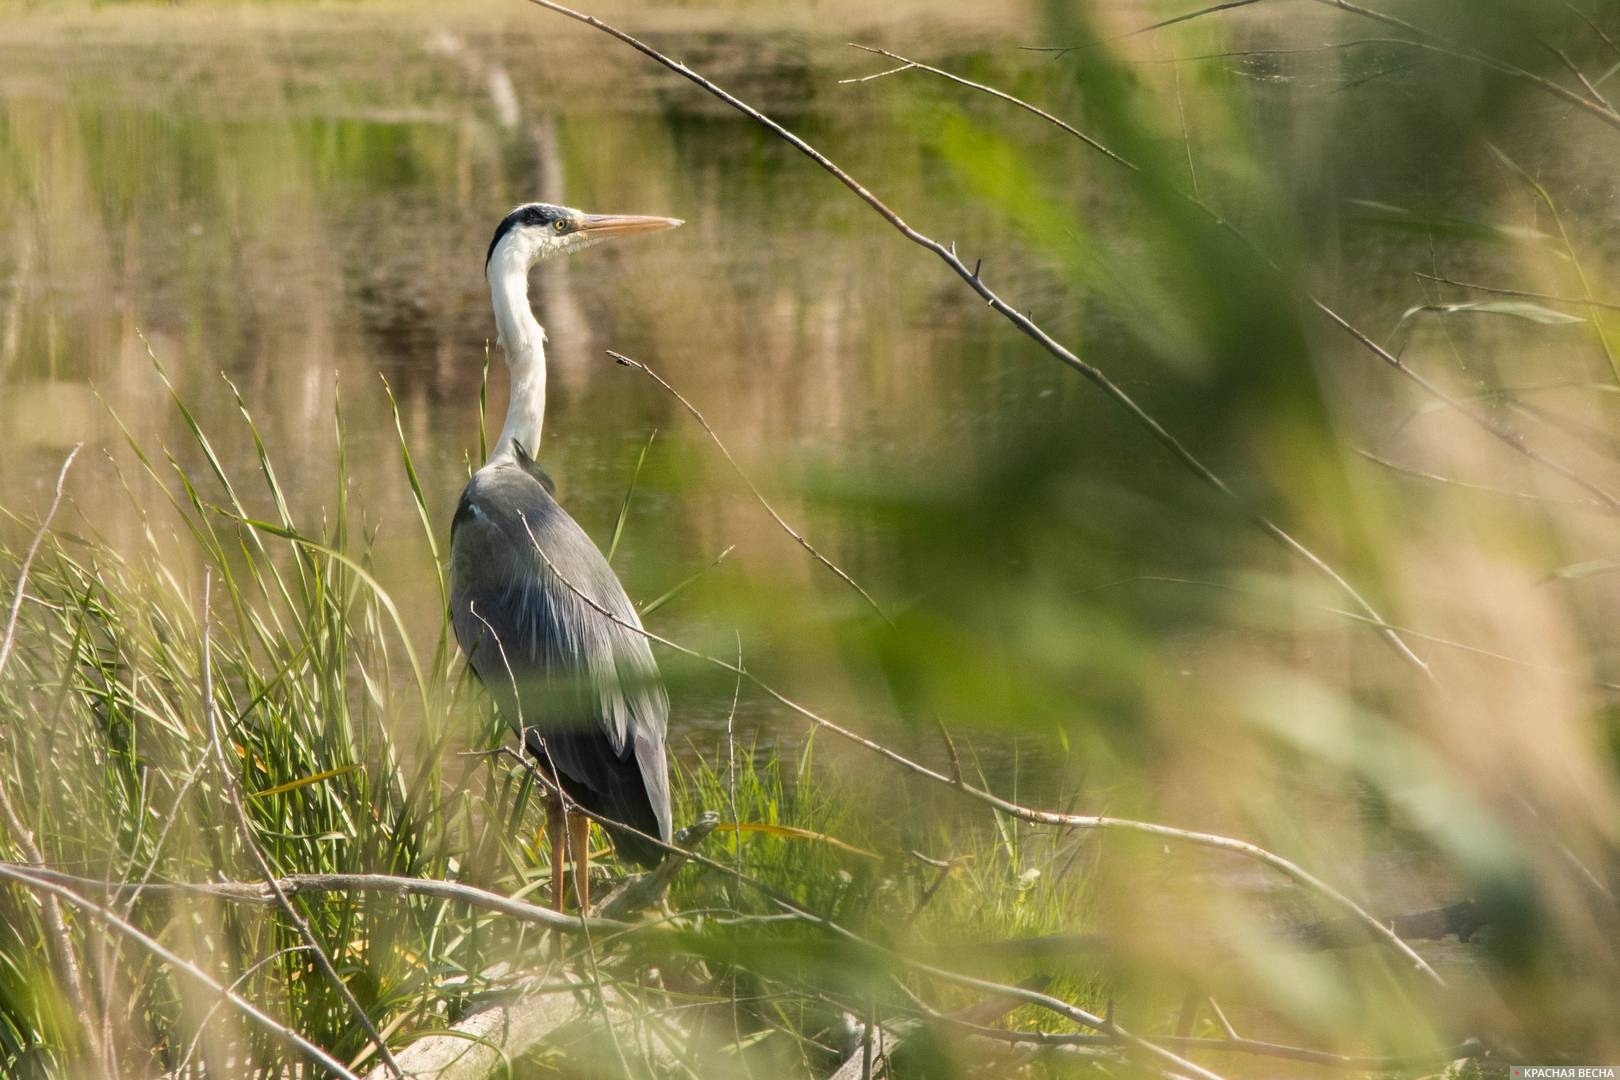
x,y
525,343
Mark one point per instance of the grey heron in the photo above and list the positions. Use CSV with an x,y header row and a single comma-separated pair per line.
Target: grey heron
x,y
531,596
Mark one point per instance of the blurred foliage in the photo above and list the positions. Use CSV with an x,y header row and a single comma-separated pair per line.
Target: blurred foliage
x,y
265,191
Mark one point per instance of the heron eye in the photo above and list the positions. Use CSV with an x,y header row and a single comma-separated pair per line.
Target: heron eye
x,y
560,225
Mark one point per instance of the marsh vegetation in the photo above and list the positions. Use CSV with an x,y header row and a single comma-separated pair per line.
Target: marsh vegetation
x,y
1230,662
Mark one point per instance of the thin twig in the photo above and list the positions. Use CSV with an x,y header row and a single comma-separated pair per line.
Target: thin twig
x,y
1551,298
874,75
1591,91
759,497
67,960
1022,321
917,65
260,892
1594,27
636,365
1491,489
1062,50
41,881
233,794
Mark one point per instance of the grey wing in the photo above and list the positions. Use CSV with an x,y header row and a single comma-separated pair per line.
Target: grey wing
x,y
572,678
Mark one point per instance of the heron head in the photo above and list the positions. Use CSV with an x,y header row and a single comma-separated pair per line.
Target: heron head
x,y
536,231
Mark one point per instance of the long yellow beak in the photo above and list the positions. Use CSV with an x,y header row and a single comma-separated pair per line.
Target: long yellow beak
x,y
605,225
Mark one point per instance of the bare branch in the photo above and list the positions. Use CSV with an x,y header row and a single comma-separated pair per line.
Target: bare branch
x,y
300,884
1551,298
759,497
1490,489
1226,5
876,75
1594,27
1592,92
908,65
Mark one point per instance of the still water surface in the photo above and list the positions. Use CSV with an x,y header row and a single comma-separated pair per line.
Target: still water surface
x,y
304,209
301,203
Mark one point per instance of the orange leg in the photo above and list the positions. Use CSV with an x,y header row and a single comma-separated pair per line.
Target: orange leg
x,y
557,833
579,852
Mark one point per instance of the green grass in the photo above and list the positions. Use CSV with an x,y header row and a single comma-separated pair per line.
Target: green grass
x,y
1101,633
352,745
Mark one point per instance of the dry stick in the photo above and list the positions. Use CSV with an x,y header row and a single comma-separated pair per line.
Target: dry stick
x,y
1483,420
260,892
1469,485
995,93
1591,91
1594,27
1552,298
233,794
625,361
1023,322
259,965
67,961
42,881
1041,817
759,497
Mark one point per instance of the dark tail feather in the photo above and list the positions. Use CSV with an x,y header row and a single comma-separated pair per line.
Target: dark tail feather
x,y
624,800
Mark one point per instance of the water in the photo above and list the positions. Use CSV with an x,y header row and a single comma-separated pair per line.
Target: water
x,y
300,200
304,207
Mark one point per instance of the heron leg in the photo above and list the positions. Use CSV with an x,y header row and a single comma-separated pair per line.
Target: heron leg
x,y
579,849
557,833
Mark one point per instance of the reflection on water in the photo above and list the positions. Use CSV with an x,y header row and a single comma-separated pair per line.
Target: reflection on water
x,y
302,203
285,220
300,200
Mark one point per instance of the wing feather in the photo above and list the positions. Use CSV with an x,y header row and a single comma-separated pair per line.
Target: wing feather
x,y
584,688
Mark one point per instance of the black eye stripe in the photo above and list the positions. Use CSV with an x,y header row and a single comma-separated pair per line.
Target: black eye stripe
x,y
532,215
